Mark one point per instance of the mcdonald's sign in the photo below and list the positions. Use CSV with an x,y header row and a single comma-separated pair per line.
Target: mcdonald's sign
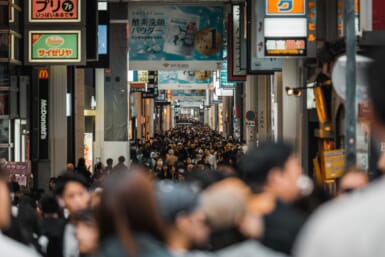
x,y
43,73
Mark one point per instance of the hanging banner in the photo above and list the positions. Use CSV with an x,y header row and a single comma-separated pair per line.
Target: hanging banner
x,y
175,37
184,79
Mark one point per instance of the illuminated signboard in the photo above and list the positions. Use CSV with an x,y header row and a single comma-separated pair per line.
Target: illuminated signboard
x,y
54,46
54,11
285,7
43,73
285,47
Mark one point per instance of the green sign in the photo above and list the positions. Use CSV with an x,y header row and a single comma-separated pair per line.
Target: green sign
x,y
54,47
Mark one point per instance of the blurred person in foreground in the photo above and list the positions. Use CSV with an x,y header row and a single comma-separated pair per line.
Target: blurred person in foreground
x,y
128,221
234,216
190,217
87,233
180,208
73,195
9,247
51,226
274,172
352,180
353,226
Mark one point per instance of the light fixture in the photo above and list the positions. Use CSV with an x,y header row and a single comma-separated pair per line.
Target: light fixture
x,y
294,91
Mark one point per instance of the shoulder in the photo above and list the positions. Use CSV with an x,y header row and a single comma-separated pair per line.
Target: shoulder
x,y
341,221
249,248
12,248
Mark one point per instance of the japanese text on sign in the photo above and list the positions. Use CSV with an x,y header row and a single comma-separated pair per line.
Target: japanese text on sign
x,y
48,10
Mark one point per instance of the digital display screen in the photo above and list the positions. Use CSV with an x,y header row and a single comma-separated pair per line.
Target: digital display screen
x,y
102,39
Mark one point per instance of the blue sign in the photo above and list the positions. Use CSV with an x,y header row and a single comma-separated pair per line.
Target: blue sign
x,y
224,82
102,39
175,37
184,77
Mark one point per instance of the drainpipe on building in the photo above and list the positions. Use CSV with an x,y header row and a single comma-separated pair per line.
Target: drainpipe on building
x,y
350,119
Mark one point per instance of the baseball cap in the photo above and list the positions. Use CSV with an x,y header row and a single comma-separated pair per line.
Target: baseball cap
x,y
175,199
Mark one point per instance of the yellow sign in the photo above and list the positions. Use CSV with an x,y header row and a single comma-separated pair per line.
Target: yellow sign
x,y
333,163
43,73
285,7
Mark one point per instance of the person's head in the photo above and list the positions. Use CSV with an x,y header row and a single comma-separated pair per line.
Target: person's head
x,y
121,159
5,200
180,208
81,162
87,233
353,179
273,168
49,206
69,166
109,162
165,167
128,206
52,184
226,206
72,191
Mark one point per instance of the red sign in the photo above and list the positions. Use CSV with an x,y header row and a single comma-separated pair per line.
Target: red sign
x,y
43,73
20,168
54,10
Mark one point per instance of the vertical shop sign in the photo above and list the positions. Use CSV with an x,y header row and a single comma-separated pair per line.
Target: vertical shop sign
x,y
235,73
43,76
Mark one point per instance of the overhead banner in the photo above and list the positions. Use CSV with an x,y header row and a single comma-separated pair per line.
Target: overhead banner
x,y
175,37
54,46
188,95
184,79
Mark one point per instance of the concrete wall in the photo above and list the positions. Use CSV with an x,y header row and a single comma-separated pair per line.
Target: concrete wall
x,y
292,126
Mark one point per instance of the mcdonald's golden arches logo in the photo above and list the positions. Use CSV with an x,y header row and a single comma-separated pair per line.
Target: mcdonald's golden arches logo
x,y
43,73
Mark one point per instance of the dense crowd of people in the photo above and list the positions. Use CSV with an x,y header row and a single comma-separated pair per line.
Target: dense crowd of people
x,y
189,192
193,193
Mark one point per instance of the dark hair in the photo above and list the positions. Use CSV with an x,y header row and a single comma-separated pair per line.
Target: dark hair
x,y
67,177
86,215
121,159
127,206
256,164
81,162
376,85
49,205
110,161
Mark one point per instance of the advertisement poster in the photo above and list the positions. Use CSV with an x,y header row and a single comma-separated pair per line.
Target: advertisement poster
x,y
54,11
18,172
184,77
175,37
51,46
88,150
